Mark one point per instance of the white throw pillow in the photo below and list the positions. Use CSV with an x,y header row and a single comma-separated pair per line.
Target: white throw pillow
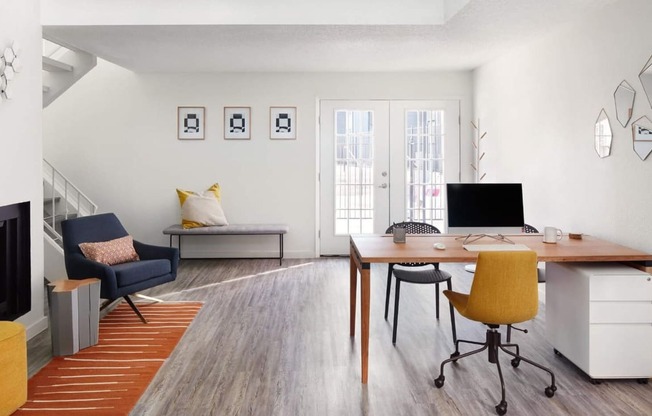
x,y
201,210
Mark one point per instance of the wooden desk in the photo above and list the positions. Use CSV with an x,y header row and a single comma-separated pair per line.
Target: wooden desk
x,y
367,249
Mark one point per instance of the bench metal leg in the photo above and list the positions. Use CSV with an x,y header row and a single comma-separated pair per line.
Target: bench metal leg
x,y
280,250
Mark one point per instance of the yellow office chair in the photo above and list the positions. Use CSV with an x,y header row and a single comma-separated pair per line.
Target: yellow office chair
x,y
504,292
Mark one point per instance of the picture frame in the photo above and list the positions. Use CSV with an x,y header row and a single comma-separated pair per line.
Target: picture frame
x,y
283,123
237,123
191,123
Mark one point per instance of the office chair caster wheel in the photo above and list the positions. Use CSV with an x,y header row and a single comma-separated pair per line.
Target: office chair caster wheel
x,y
439,381
550,391
455,355
501,408
516,362
642,381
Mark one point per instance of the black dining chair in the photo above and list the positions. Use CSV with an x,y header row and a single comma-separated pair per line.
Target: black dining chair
x,y
420,276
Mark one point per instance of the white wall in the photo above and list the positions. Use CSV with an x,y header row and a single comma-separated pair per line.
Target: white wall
x,y
114,134
539,105
20,138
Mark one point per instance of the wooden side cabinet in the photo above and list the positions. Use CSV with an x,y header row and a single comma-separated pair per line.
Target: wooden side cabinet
x,y
599,316
74,314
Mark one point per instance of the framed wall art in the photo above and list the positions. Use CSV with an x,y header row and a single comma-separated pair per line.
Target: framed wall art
x,y
191,122
283,123
237,123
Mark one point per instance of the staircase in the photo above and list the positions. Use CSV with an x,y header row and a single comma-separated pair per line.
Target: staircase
x,y
62,67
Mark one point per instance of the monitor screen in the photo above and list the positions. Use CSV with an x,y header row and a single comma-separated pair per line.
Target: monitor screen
x,y
485,208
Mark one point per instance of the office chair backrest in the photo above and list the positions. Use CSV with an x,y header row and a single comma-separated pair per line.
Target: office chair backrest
x,y
91,229
504,289
412,227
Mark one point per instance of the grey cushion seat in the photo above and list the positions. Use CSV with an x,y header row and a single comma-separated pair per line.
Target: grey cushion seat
x,y
235,229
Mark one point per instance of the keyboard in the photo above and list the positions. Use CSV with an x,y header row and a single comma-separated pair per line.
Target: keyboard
x,y
495,247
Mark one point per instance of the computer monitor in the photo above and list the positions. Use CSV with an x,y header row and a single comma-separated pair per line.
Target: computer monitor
x,y
484,208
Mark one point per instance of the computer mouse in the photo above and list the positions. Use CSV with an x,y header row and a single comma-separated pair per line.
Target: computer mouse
x,y
439,246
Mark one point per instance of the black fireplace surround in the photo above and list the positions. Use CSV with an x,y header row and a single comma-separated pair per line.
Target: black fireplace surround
x,y
15,264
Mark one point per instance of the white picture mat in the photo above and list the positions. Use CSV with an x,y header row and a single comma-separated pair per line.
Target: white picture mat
x,y
237,119
186,129
283,128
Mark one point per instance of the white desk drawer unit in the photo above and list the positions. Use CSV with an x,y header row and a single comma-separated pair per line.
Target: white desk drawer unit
x,y
599,316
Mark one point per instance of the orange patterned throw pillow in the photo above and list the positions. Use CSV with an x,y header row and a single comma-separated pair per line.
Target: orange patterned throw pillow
x,y
120,250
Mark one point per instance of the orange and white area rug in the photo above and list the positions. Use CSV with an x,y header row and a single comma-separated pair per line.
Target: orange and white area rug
x,y
109,378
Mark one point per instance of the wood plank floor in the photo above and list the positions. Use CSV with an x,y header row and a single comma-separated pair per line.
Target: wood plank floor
x,y
273,340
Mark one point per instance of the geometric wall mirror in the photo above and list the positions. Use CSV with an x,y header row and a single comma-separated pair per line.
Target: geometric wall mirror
x,y
642,136
646,79
603,135
624,99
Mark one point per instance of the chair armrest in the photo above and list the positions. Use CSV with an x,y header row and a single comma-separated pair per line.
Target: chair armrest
x,y
79,267
151,252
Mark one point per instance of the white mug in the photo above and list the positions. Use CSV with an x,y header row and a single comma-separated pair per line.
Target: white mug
x,y
551,235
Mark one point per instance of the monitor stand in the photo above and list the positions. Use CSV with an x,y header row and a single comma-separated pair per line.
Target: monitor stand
x,y
472,238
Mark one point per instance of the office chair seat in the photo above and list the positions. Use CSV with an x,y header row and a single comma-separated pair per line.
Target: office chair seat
x,y
427,276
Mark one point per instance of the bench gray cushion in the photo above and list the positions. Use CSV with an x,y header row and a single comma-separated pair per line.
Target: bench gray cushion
x,y
233,229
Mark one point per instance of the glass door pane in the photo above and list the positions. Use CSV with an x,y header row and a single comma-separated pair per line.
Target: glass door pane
x,y
354,185
424,164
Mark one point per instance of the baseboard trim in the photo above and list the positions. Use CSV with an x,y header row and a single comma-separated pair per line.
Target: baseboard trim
x,y
37,327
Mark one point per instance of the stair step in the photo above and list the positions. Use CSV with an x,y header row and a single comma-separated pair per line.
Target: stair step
x,y
52,65
49,200
59,217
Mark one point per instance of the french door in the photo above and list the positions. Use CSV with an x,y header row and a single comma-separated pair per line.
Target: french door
x,y
384,161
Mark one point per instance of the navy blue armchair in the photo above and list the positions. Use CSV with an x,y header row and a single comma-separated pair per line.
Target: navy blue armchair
x,y
157,265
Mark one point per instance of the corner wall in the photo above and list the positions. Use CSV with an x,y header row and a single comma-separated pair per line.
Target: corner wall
x,y
539,105
114,135
20,139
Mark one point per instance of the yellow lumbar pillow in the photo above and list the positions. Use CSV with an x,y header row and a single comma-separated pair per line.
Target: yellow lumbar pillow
x,y
201,209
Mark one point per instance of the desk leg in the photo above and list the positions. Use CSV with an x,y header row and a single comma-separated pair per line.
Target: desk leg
x,y
364,317
352,289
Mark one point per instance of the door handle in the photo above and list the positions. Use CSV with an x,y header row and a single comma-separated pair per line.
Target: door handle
x,y
383,186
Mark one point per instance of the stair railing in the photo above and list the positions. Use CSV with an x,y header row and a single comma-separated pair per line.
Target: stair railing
x,y
73,199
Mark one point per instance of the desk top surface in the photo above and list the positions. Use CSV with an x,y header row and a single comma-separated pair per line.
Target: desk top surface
x,y
419,248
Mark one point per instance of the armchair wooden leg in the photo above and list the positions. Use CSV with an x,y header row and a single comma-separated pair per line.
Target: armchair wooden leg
x,y
131,303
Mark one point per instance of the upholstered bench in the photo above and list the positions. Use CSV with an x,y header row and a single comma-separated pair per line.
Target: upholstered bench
x,y
13,367
231,229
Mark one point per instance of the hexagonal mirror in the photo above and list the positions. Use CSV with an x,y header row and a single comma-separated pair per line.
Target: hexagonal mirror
x,y
9,55
9,72
642,136
646,80
603,135
624,99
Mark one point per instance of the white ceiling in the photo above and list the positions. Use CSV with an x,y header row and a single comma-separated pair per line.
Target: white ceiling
x,y
479,32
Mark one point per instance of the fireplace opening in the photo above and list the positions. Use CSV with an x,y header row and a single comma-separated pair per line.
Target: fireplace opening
x,y
15,265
